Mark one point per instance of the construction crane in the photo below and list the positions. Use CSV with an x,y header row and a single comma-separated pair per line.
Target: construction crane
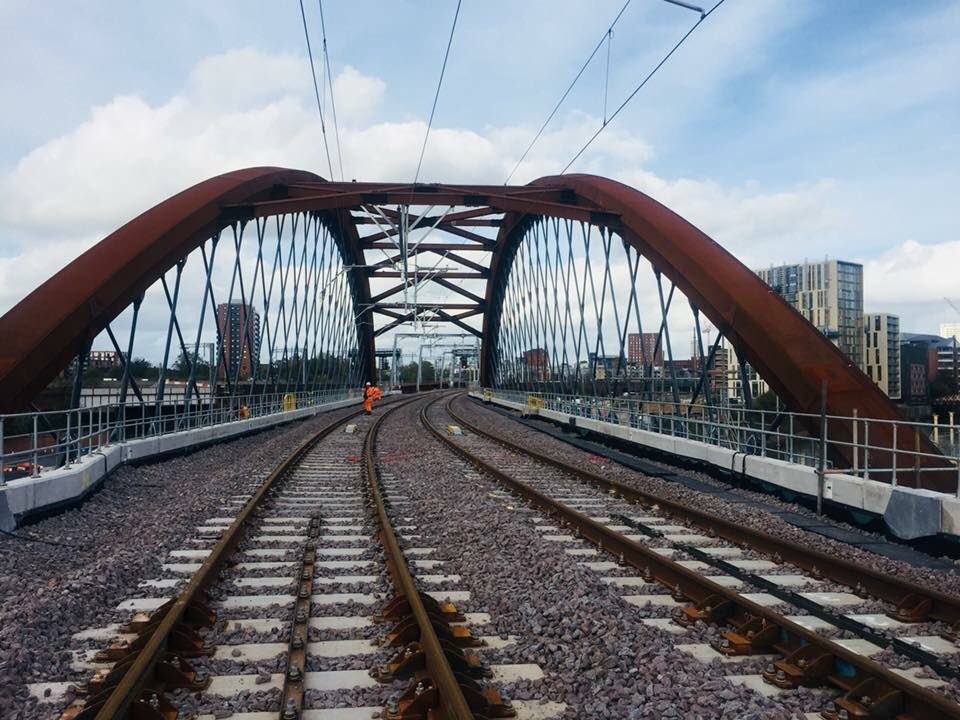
x,y
953,305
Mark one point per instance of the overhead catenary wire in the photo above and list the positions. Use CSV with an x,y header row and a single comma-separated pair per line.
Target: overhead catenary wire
x,y
436,95
596,49
333,102
639,87
316,89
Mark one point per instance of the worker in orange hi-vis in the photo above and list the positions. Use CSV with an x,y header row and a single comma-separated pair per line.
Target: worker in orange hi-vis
x,y
370,393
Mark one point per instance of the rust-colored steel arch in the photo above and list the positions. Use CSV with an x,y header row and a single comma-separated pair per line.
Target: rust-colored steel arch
x,y
41,334
786,350
45,330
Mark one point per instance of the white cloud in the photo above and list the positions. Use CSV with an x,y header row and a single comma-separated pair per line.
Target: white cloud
x,y
758,227
913,272
129,154
358,97
242,78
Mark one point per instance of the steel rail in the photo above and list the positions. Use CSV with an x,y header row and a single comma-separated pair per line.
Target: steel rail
x,y
452,701
133,682
920,702
893,590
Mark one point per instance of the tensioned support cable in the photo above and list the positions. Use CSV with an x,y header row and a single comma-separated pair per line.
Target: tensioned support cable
x,y
436,95
316,88
333,102
566,92
639,87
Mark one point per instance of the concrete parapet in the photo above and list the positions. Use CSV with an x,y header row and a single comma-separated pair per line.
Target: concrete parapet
x,y
54,488
909,513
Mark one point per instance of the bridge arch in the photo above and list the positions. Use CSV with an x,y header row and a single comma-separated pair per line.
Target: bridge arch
x,y
54,324
58,320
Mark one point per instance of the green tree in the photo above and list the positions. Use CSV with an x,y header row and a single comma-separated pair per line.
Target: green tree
x,y
942,384
408,372
143,368
766,401
181,369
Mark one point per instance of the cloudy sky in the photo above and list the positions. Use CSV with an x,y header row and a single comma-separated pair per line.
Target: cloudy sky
x,y
784,129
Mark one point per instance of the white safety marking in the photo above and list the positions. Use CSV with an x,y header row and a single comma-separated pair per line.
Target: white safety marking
x,y
665,624
166,583
334,598
755,683
834,599
932,643
254,601
726,580
264,582
791,580
343,564
420,551
752,564
625,581
811,622
706,654
600,565
439,579
880,622
265,565
657,600
142,604
691,539
250,651
859,646
724,552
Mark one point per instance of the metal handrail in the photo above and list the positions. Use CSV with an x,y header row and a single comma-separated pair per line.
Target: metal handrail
x,y
781,435
50,439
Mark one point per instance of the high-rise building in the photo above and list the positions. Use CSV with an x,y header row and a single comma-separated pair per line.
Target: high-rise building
x,y
950,330
914,372
881,351
238,331
943,354
607,367
829,294
537,364
642,348
103,359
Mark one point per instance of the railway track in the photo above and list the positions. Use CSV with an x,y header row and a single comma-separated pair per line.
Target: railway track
x,y
776,603
282,609
309,597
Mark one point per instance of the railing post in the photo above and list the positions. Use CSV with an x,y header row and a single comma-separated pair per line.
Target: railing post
x,y
866,449
856,444
916,456
66,445
936,429
894,481
790,440
3,480
36,450
763,433
822,469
